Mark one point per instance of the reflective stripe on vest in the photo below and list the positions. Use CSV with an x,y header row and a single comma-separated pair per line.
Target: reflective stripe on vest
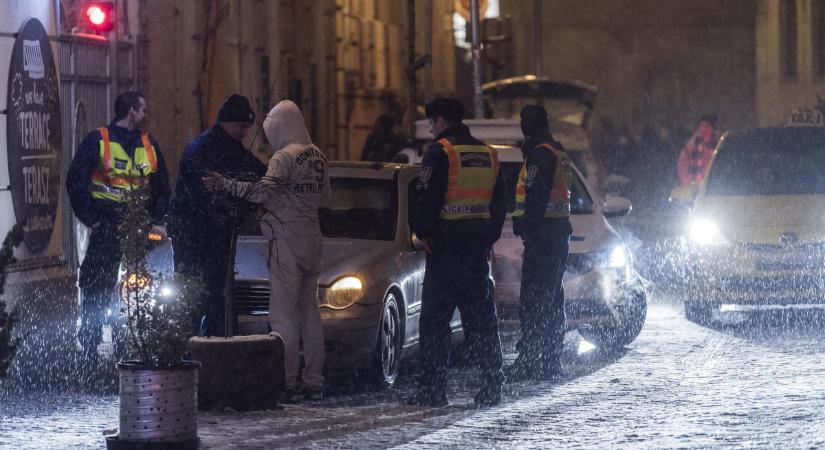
x,y
117,172
558,205
472,177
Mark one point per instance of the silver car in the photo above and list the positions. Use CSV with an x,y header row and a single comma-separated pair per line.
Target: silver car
x,y
372,271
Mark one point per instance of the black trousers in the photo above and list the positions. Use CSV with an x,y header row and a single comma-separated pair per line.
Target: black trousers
x,y
203,253
97,279
541,304
457,276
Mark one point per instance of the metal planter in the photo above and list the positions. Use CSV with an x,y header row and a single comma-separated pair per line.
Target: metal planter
x,y
158,405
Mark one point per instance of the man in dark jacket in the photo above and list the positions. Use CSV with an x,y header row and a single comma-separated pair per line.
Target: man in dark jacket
x,y
203,222
542,219
109,161
459,213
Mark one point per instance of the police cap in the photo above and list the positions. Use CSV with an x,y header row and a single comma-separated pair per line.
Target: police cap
x,y
449,108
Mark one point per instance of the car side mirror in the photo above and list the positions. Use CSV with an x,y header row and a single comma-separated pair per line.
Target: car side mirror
x,y
683,195
416,244
615,206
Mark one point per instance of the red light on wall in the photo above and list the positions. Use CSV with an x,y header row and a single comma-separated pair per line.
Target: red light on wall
x,y
98,16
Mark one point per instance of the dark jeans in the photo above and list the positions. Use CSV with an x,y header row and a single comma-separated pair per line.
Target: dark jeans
x,y
541,304
203,253
97,279
457,276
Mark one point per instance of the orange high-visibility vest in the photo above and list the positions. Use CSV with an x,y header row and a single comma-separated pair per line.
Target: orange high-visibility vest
x,y
558,205
473,173
117,172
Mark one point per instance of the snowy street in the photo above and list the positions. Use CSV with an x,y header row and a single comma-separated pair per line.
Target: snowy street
x,y
755,385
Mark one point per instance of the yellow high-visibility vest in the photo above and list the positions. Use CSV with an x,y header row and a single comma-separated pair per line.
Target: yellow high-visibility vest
x,y
117,172
558,205
472,177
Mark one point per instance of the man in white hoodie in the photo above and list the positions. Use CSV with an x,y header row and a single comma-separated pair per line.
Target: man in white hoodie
x,y
294,187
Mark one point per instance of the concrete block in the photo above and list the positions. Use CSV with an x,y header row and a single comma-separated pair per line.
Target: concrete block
x,y
243,372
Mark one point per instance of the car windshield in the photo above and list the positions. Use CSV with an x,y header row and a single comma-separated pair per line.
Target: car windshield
x,y
581,201
361,208
781,161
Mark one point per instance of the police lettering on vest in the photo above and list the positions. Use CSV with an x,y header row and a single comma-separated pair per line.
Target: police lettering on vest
x,y
117,172
472,177
558,205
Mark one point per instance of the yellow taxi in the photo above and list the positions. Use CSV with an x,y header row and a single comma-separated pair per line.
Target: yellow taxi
x,y
755,236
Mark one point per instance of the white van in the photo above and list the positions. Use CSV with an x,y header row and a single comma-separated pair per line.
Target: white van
x,y
605,298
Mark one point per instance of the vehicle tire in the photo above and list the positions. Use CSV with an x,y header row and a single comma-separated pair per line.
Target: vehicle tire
x,y
388,348
700,313
630,323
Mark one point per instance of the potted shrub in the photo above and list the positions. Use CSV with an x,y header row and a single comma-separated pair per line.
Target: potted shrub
x,y
8,345
158,385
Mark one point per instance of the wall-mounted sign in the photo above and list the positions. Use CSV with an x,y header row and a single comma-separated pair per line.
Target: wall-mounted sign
x,y
33,133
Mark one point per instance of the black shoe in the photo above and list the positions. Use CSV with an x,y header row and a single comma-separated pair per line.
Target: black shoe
x,y
311,393
550,373
487,397
291,395
516,373
427,400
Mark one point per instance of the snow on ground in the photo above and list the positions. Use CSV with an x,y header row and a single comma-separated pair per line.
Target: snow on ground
x,y
679,385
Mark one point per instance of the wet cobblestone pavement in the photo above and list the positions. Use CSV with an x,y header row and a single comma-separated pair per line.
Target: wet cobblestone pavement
x,y
757,384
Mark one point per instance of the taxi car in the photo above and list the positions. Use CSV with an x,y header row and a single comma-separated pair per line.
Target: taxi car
x,y
755,238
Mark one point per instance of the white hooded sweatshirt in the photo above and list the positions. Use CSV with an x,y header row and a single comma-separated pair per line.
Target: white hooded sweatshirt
x,y
296,183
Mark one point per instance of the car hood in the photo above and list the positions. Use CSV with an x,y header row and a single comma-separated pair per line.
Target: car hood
x,y
341,257
763,219
348,257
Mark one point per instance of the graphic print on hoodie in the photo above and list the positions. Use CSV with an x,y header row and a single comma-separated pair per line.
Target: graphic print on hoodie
x,y
296,183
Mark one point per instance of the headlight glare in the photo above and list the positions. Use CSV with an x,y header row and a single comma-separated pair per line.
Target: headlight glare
x,y
704,231
343,293
618,257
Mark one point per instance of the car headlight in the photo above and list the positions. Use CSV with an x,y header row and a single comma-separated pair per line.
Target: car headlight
x,y
617,258
133,283
704,231
343,293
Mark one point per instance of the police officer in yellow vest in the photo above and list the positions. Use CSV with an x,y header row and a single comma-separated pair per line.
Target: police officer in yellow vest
x,y
542,219
109,161
459,213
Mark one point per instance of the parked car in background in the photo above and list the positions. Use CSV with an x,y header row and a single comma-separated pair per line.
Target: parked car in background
x,y
569,105
605,298
755,235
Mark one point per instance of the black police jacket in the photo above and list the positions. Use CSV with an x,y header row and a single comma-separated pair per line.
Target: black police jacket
x,y
543,163
193,206
90,210
432,186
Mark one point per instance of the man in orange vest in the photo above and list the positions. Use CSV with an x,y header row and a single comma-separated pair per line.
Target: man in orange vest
x,y
542,219
108,162
459,213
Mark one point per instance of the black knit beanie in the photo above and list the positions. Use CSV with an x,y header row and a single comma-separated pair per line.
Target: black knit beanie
x,y
236,108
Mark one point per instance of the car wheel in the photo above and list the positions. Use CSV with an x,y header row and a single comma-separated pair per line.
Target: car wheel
x,y
390,337
700,313
631,320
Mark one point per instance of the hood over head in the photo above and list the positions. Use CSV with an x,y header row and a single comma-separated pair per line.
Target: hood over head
x,y
284,125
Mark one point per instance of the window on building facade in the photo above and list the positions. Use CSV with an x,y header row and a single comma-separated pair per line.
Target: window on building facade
x,y
787,38
818,35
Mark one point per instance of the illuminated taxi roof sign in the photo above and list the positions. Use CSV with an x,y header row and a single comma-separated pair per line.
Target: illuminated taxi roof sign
x,y
805,118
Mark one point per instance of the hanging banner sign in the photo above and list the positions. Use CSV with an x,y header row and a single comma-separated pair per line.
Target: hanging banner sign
x,y
33,134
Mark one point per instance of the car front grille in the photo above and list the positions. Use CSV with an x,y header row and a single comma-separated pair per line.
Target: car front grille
x,y
812,284
579,263
250,298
